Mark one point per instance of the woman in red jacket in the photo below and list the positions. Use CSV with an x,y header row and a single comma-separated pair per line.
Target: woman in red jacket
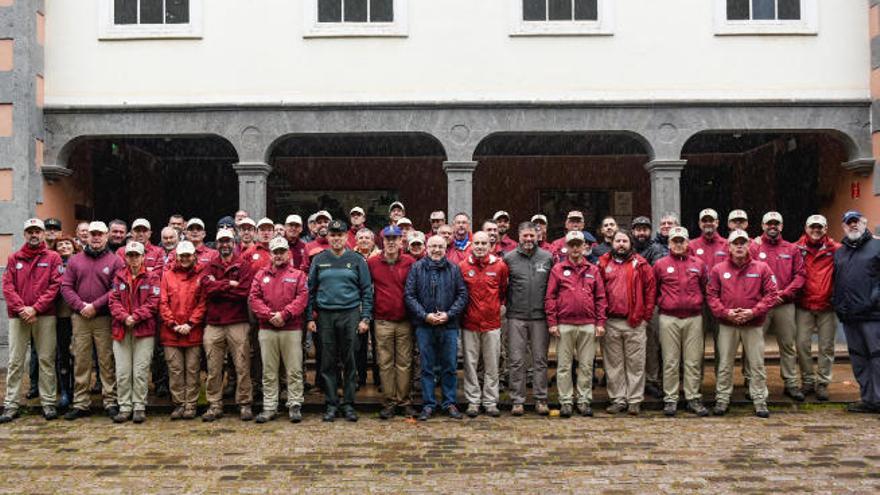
x,y
133,303
182,307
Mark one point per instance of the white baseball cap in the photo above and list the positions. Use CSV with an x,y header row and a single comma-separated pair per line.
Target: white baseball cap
x,y
438,215
396,204
416,236
324,213
574,236
737,234
709,212
98,227
817,219
737,215
357,209
500,213
679,233
404,221
35,222
294,219
772,216
141,222
225,234
265,221
134,247
247,221
539,218
185,247
195,221
278,243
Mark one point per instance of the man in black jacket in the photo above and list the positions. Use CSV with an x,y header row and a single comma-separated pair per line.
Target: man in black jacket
x,y
856,300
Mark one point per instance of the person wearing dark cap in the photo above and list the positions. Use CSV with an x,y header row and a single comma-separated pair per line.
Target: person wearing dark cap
x,y
648,248
53,231
225,223
855,301
340,307
643,244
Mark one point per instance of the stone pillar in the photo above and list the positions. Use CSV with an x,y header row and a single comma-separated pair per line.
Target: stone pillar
x,y
252,187
460,187
665,187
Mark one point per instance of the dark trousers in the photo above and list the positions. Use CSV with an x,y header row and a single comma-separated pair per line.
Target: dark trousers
x,y
438,347
863,340
364,357
63,357
337,331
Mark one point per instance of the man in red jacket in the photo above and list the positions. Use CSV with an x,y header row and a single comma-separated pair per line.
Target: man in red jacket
x,y
741,291
227,283
712,249
681,281
278,297
787,264
394,334
814,312
631,292
573,221
154,256
502,220
30,284
195,233
459,246
485,276
575,306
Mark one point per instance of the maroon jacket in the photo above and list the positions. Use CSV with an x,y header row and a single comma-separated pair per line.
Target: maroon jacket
x,y
786,262
507,244
154,257
712,252
748,286
388,283
227,305
88,278
681,281
137,296
575,294
32,278
279,289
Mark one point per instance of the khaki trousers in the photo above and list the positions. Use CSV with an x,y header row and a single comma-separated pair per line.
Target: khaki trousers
x,y
682,341
781,320
752,339
20,334
86,333
184,380
624,351
485,345
825,324
133,358
575,342
394,349
277,346
216,341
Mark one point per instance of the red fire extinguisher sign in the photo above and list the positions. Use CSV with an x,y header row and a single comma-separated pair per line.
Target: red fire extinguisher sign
x,y
854,190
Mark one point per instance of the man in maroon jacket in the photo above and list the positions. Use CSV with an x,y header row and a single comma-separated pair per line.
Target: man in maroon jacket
x,y
227,283
154,256
573,221
30,284
502,219
741,292
394,334
681,281
710,247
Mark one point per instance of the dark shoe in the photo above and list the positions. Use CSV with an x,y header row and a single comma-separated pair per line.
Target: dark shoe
x,y
822,392
696,406
329,415
616,408
720,409
139,417
453,412
541,408
350,414
50,413
177,413
189,413
410,412
33,393
565,410
808,388
761,411
493,411
669,409
112,411
426,414
634,409
794,393
64,402
121,417
245,413
212,413
8,415
585,410
653,390
862,407
473,410
266,416
77,413
295,414
162,391
387,412
519,410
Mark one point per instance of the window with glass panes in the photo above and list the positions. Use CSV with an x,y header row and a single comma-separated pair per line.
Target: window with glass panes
x,y
763,10
560,10
355,11
127,12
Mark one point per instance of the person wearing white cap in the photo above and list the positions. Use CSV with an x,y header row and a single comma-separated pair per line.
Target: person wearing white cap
x,y
395,212
319,243
86,287
258,254
540,222
311,228
293,226
405,225
573,221
415,245
195,233
357,220
247,234
787,264
814,312
182,306
438,219
502,220
31,282
134,303
154,256
738,219
710,247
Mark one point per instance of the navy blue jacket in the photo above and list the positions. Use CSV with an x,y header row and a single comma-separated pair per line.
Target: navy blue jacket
x,y
435,286
856,294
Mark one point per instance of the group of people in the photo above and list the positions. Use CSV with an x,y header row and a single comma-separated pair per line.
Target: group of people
x,y
492,297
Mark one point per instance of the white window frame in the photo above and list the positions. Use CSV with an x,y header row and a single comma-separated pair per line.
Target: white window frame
x,y
807,25
399,28
108,30
603,26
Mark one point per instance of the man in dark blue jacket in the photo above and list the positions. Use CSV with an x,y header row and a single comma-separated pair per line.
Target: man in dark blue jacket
x,y
856,300
436,297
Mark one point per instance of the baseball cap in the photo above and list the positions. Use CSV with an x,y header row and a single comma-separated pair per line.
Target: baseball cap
x,y
404,221
36,222
247,221
588,238
195,221
817,219
737,234
225,234
278,243
416,237
772,216
500,213
185,247
52,223
324,213
337,226
134,247
98,227
539,218
392,231
575,214
679,233
737,215
574,237
709,212
356,209
396,204
312,217
226,221
641,221
141,222
851,215
438,215
265,221
294,219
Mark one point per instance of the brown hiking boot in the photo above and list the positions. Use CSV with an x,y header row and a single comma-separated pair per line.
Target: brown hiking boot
x,y
177,413
541,408
245,413
517,410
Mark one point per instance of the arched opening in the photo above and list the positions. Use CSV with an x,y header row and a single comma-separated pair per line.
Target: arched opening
x,y
336,172
551,173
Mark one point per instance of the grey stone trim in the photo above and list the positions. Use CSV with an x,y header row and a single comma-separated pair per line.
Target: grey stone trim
x,y
54,173
665,187
862,166
460,187
873,3
875,52
252,187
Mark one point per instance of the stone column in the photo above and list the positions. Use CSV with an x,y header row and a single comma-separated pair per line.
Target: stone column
x,y
252,187
460,187
665,187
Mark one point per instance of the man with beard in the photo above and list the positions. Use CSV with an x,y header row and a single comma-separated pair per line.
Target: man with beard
x,y
53,231
813,311
606,234
712,249
247,235
540,223
631,291
856,277
357,219
309,235
460,244
118,233
491,228
574,221
650,249
320,243
502,220
787,264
